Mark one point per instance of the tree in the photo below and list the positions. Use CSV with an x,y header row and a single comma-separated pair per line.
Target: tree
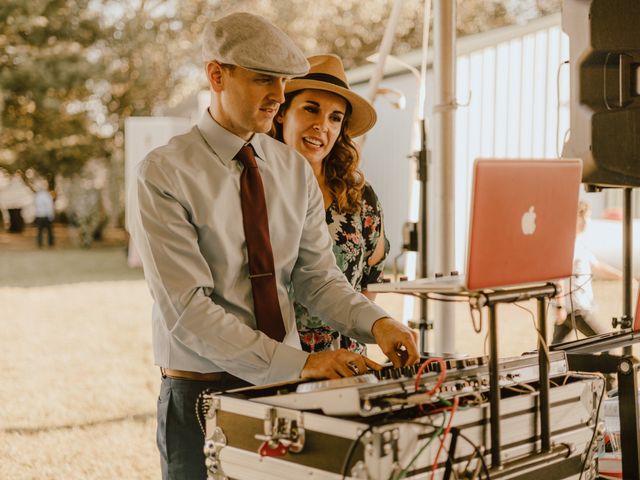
x,y
148,58
45,64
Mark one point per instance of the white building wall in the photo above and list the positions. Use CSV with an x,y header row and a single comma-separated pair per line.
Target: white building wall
x,y
385,159
141,136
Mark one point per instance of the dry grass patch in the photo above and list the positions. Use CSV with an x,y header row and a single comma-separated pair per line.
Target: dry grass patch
x,y
75,354
121,450
79,385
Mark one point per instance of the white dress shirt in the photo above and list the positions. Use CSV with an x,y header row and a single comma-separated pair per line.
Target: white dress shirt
x,y
44,205
186,221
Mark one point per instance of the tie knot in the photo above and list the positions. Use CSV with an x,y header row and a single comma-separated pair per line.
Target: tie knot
x,y
247,157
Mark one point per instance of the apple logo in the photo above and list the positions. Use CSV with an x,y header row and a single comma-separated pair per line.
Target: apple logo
x,y
528,222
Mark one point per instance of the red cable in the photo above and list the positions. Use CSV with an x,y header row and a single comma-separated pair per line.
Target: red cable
x,y
437,410
441,377
444,436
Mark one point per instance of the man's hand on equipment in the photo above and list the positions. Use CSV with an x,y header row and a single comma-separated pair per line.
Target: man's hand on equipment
x,y
397,341
337,364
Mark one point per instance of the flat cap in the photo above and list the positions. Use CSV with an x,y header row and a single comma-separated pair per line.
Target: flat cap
x,y
251,42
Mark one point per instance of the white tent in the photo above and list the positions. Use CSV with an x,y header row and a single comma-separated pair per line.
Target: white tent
x,y
14,193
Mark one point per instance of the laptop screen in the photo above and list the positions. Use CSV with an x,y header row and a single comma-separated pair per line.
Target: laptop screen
x,y
522,222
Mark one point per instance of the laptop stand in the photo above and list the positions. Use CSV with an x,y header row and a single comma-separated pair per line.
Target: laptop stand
x,y
491,300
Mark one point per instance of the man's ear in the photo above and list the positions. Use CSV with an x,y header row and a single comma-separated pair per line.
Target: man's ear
x,y
215,75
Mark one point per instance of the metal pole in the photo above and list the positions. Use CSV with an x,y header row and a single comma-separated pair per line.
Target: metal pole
x,y
423,176
627,237
385,49
628,404
494,388
423,166
422,92
543,365
444,31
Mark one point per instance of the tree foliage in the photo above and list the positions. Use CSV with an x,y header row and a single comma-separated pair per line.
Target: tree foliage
x,y
147,57
44,68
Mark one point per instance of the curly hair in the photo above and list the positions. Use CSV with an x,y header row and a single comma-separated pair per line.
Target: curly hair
x,y
342,175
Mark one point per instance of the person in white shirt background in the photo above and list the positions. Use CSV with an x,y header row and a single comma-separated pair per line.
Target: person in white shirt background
x,y
575,310
44,215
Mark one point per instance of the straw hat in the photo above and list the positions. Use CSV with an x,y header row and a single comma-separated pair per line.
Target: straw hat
x,y
252,42
327,73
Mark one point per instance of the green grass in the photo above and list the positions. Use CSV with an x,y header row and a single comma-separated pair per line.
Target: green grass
x,y
37,268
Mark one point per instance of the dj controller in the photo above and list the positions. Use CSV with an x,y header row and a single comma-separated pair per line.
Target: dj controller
x,y
392,388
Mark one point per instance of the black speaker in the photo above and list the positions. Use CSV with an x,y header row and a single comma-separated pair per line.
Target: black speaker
x,y
604,37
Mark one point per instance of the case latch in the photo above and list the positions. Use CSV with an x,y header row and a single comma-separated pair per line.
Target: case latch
x,y
216,441
282,434
212,447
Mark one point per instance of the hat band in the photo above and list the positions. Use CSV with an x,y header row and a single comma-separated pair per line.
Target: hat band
x,y
325,77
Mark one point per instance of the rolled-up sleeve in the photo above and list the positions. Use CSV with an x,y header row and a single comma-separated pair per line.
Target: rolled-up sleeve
x,y
182,282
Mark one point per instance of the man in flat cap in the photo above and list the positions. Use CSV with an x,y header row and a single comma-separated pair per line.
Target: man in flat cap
x,y
228,221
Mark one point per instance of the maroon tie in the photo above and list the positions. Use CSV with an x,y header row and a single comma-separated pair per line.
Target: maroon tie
x,y
256,231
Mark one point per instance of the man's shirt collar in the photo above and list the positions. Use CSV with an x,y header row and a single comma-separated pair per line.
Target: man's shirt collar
x,y
224,143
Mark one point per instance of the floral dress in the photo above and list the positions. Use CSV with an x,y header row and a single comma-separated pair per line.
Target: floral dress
x,y
355,236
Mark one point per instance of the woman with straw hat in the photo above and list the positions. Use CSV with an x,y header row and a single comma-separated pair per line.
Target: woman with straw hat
x,y
319,118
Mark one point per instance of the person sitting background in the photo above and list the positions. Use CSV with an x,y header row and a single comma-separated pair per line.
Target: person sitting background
x,y
319,118
574,310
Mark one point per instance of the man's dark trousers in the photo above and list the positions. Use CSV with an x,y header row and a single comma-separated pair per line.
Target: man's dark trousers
x,y
179,438
44,223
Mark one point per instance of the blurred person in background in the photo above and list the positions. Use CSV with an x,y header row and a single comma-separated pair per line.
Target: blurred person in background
x,y
44,215
319,118
575,305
